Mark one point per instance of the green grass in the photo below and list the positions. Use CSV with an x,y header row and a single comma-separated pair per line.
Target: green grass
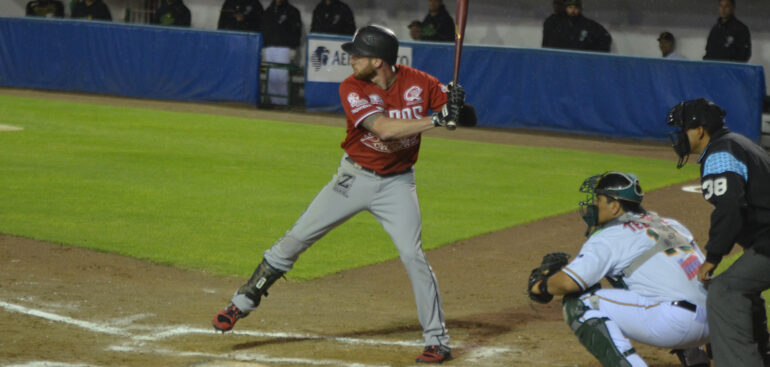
x,y
213,192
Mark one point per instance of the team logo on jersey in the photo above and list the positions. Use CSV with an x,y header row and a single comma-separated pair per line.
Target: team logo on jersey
x,y
376,99
374,142
583,35
356,102
413,95
729,41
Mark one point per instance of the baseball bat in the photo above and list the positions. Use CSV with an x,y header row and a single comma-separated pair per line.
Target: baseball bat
x,y
462,16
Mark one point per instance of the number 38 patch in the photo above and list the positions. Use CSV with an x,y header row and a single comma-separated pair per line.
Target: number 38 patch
x,y
713,187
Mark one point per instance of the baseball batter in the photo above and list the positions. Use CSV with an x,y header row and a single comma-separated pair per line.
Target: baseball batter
x,y
387,107
652,263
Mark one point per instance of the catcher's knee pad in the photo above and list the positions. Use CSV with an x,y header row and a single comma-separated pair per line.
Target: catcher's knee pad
x,y
593,333
264,276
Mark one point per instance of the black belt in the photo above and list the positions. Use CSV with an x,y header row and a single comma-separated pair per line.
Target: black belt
x,y
686,305
368,170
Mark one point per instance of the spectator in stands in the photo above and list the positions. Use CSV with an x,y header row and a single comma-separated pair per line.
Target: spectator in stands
x,y
415,30
729,39
438,25
333,16
581,33
241,15
73,4
554,25
282,25
45,8
91,9
667,45
172,13
282,30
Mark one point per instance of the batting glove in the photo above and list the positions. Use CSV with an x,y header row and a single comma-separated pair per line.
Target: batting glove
x,y
440,118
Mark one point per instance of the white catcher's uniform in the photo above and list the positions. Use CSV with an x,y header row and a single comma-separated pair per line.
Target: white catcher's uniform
x,y
646,310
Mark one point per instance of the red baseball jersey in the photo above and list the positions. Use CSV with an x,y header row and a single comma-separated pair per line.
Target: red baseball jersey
x,y
413,96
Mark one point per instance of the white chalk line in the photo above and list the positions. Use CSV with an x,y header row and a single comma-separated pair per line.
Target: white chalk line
x,y
164,332
173,331
137,342
243,357
64,319
49,364
485,353
10,128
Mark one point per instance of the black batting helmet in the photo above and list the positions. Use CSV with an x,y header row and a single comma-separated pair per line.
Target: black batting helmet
x,y
689,115
374,41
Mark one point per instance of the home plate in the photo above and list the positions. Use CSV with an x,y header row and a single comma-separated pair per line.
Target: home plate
x,y
9,128
693,188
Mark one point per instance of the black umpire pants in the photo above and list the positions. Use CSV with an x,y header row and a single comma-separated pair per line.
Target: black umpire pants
x,y
729,311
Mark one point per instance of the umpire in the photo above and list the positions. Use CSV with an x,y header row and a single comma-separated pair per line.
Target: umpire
x,y
735,179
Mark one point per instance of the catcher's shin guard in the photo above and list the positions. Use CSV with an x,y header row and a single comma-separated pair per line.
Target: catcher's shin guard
x,y
247,297
593,334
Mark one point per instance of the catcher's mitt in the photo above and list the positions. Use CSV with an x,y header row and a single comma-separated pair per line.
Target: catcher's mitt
x,y
551,263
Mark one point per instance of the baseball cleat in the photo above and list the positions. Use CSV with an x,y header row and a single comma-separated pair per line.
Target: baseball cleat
x,y
435,354
226,318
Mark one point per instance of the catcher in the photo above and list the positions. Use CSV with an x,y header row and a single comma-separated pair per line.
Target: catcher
x,y
652,264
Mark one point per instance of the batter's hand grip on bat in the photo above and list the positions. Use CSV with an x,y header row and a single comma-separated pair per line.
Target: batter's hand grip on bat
x,y
455,102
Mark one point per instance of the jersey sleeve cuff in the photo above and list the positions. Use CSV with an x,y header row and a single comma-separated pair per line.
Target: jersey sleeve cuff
x,y
580,282
363,117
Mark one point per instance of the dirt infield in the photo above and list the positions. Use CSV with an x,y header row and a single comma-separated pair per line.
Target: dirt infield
x,y
66,306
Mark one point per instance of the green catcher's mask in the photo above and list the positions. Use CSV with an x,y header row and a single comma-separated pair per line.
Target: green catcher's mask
x,y
616,185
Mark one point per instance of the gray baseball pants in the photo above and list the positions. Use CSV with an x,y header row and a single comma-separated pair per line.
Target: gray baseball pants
x,y
393,202
729,310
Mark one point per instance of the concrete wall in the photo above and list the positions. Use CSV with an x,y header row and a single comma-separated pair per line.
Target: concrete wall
x,y
634,24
